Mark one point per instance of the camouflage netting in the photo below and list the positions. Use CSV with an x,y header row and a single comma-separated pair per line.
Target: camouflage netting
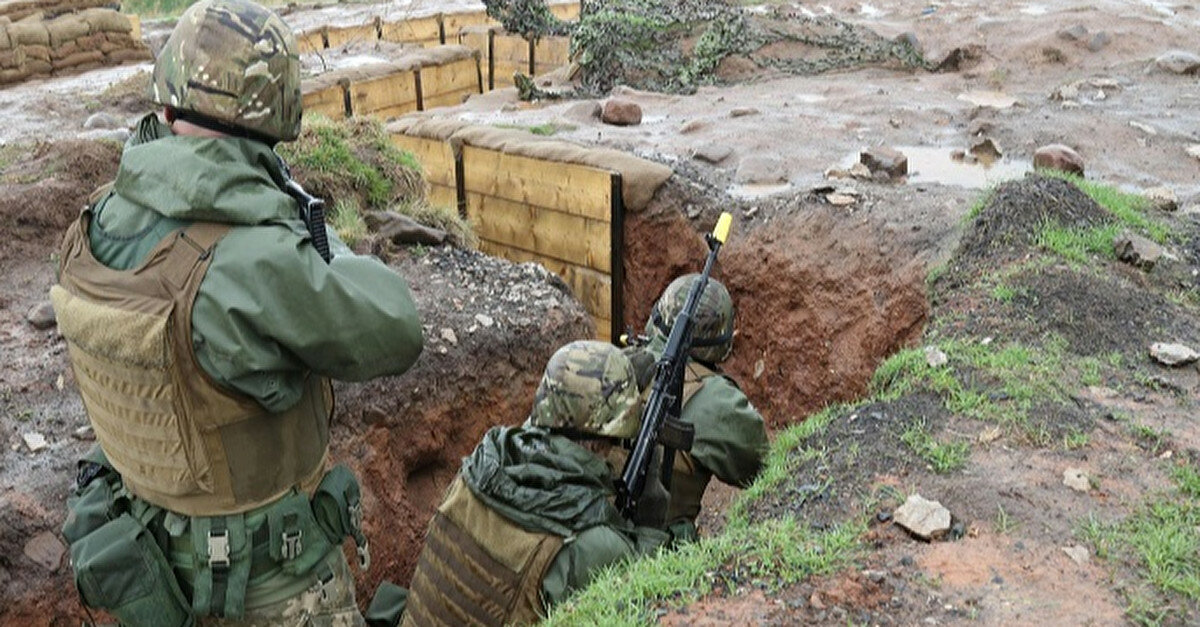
x,y
34,47
677,45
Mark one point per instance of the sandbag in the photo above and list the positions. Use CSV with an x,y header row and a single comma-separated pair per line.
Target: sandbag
x,y
29,34
13,75
41,53
127,55
5,41
12,59
38,67
106,20
79,58
66,29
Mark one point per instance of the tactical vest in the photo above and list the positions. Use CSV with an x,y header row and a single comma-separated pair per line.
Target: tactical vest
x,y
478,567
178,441
688,478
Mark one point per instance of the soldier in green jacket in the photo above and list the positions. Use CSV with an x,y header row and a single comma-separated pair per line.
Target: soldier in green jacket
x,y
731,439
203,327
530,517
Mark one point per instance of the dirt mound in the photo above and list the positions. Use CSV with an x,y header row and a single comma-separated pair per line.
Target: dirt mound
x,y
40,194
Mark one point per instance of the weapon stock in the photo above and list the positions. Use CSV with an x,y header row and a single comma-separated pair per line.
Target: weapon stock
x,y
660,417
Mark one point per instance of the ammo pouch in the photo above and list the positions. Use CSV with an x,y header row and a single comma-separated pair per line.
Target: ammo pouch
x,y
337,504
118,564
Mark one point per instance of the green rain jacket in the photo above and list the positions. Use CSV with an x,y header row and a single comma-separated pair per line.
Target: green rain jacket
x,y
269,308
547,483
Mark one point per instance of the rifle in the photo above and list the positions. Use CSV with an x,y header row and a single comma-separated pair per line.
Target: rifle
x,y
312,211
660,416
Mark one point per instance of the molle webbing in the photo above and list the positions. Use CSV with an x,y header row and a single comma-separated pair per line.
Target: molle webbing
x,y
460,582
178,441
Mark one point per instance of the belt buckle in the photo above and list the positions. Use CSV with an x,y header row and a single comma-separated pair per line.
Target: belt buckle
x,y
218,549
292,546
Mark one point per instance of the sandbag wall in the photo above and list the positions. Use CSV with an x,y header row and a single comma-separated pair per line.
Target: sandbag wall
x,y
536,199
420,80
33,47
17,10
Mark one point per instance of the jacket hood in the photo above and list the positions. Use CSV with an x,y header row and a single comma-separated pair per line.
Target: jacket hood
x,y
226,179
541,481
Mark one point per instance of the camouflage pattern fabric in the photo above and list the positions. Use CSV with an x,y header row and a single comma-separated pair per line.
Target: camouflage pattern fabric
x,y
712,337
330,604
233,61
588,386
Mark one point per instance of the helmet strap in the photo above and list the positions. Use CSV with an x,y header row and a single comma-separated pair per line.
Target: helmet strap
x,y
697,342
214,124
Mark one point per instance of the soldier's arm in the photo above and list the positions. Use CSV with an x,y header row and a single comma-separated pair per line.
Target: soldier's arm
x,y
585,555
731,438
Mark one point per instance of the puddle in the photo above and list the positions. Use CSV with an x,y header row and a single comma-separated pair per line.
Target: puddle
x,y
751,191
931,164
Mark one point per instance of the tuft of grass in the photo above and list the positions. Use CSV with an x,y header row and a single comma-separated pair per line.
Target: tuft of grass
x,y
980,202
1078,245
943,458
1004,522
347,220
545,130
1131,210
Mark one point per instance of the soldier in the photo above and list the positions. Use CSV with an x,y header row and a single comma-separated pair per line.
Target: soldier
x,y
731,439
203,326
530,517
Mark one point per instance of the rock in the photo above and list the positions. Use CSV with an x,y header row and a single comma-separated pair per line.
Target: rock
x,y
926,519
1077,480
991,434
1172,354
1078,32
583,111
739,112
118,135
860,171
691,126
884,159
986,150
1162,198
935,357
1099,41
84,433
1194,150
401,229
1058,157
836,173
448,335
103,120
840,200
46,549
713,153
35,441
1078,554
1137,251
992,99
1143,127
621,112
961,58
761,169
41,316
1066,92
1178,62
484,320
909,38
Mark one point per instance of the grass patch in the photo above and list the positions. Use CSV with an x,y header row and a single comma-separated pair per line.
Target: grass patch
x,y
1078,245
347,220
545,130
1160,541
943,458
1129,209
980,202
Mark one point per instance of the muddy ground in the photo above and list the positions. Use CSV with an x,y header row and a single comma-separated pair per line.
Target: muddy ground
x,y
824,293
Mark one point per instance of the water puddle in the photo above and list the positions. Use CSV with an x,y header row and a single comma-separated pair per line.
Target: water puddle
x,y
982,169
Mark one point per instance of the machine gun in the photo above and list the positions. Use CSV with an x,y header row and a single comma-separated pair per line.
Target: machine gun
x,y
660,416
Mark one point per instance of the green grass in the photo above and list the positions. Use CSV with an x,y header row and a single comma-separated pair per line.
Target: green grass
x,y
1004,521
545,130
1129,209
327,148
943,458
347,220
1078,245
1160,541
980,202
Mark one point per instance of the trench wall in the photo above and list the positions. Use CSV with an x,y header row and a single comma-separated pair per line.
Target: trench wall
x,y
34,47
389,90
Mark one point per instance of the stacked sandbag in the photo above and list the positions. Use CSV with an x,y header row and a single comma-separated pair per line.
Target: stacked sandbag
x,y
20,9
35,47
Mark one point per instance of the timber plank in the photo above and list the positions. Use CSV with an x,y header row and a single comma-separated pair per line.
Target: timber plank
x,y
310,41
454,77
386,96
566,10
455,22
511,48
551,233
329,102
435,156
442,196
570,188
341,36
550,53
419,30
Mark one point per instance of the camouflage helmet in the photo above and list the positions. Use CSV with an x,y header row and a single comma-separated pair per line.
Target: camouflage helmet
x,y
712,335
235,63
588,387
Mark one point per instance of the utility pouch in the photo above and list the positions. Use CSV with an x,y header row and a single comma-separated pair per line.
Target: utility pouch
x,y
337,505
298,543
93,502
120,568
222,550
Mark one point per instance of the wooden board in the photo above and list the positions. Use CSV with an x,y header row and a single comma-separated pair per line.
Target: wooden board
x,y
345,35
448,99
329,101
547,232
475,40
455,22
442,196
575,189
386,96
449,84
311,41
421,30
551,53
566,10
511,48
435,156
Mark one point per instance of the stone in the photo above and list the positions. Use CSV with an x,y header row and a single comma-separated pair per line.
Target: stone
x,y
884,159
935,357
84,433
1162,198
1078,32
103,120
1173,354
992,99
1137,251
860,171
35,441
1194,150
740,112
1078,554
621,112
925,519
910,39
1099,41
986,150
583,111
1058,157
691,126
448,335
46,550
1143,127
1077,480
118,135
1178,62
761,170
484,320
840,200
401,229
41,316
713,153
1066,92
